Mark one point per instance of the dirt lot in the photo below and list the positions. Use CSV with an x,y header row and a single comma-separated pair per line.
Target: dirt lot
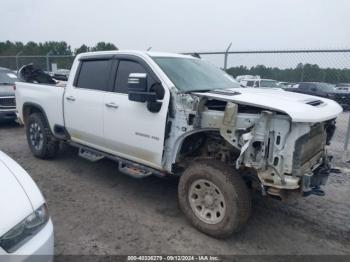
x,y
96,210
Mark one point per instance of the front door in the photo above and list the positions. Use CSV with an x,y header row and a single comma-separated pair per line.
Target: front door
x,y
130,129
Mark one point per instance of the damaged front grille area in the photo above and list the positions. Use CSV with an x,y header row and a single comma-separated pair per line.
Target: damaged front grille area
x,y
309,149
7,102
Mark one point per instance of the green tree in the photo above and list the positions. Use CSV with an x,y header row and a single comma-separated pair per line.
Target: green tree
x,y
82,49
302,72
103,46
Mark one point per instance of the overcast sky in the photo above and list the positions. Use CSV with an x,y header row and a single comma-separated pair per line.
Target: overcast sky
x,y
180,25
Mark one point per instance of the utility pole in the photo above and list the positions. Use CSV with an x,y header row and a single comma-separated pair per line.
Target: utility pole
x,y
17,62
302,73
226,56
48,61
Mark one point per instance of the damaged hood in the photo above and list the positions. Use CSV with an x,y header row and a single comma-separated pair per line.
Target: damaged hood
x,y
300,107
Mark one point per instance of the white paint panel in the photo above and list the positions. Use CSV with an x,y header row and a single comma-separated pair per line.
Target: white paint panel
x,y
84,115
134,131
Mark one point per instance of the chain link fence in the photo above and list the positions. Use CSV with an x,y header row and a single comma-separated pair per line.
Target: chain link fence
x,y
288,66
44,62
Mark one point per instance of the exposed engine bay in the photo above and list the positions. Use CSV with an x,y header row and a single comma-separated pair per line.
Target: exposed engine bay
x,y
268,148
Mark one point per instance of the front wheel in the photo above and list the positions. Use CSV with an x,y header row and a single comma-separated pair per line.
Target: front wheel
x,y
214,198
40,140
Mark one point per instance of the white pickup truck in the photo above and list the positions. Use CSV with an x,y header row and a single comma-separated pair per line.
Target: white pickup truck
x,y
168,114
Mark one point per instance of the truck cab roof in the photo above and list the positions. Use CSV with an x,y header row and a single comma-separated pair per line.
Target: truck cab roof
x,y
134,52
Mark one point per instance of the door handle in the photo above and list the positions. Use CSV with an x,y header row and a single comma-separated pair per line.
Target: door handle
x,y
112,105
70,98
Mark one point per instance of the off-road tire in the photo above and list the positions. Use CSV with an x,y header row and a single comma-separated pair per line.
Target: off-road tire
x,y
50,145
233,188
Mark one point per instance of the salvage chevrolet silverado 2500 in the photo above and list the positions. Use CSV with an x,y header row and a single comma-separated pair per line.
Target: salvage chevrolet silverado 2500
x,y
167,114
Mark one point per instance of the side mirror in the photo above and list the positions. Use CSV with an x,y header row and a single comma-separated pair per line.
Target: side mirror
x,y
137,88
158,89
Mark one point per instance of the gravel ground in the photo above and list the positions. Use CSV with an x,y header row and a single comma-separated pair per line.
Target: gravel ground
x,y
96,210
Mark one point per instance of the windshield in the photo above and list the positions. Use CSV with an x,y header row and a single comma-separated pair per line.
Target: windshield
x,y
268,83
7,77
189,74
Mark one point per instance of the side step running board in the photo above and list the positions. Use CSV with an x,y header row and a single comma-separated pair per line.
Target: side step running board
x,y
90,155
124,166
132,170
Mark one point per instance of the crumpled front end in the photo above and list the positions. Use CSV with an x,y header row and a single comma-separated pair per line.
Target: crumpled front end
x,y
276,151
285,155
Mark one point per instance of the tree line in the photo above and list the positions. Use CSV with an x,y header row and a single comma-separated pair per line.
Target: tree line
x,y
300,73
53,48
9,48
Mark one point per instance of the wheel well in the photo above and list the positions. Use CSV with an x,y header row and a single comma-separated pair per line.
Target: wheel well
x,y
206,144
213,147
31,109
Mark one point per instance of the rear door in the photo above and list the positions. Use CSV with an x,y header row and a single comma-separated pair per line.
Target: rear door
x,y
84,101
130,129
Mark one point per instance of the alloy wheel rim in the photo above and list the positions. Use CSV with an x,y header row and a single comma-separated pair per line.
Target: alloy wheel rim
x,y
36,136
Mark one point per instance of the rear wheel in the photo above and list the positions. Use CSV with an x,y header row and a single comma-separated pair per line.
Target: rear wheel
x,y
40,140
214,198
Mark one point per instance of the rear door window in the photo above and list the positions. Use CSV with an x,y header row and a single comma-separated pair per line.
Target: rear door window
x,y
94,74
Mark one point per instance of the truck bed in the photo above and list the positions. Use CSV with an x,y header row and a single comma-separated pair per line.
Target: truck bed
x,y
47,97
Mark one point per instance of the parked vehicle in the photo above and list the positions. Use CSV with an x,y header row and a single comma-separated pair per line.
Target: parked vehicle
x,y
168,114
342,95
25,226
342,88
7,94
285,85
246,77
259,83
316,89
